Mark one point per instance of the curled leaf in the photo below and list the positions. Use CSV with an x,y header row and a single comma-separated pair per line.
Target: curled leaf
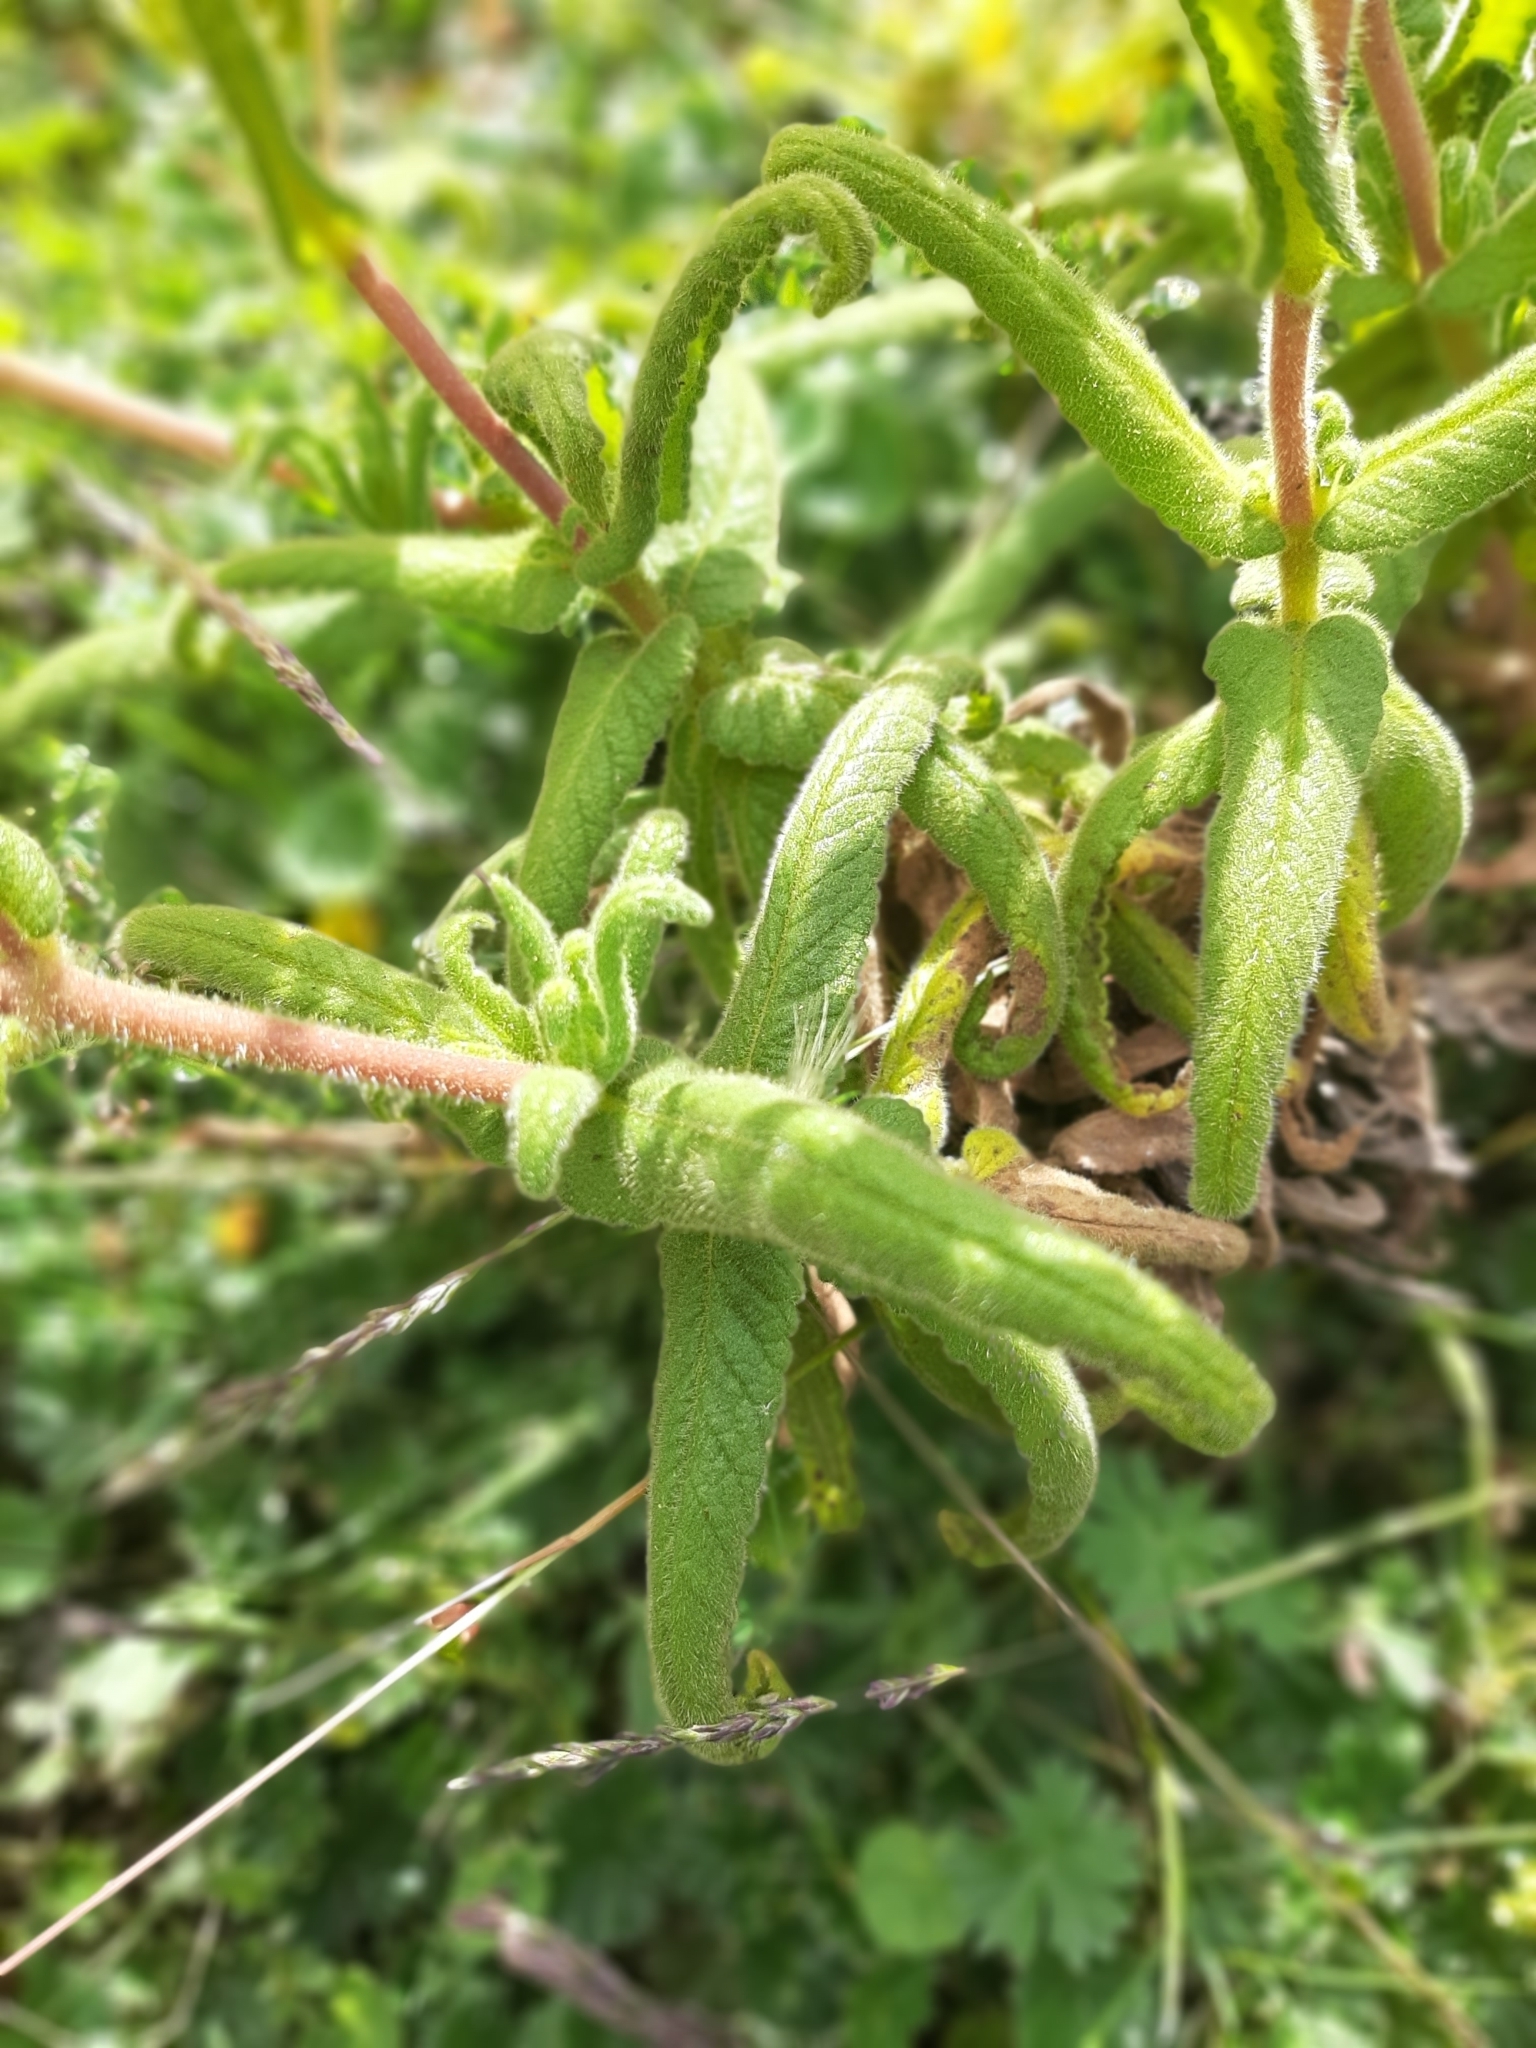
x,y
1352,983
698,1150
1419,797
1152,964
1096,365
540,384
817,1415
542,1119
674,372
959,802
1171,772
928,1011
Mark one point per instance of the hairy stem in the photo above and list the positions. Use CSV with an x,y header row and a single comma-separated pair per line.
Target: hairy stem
x,y
1292,327
54,996
119,412
1332,20
1402,119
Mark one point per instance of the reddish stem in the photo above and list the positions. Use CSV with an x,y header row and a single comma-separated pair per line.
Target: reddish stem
x,y
43,987
1290,405
395,312
1402,120
1332,21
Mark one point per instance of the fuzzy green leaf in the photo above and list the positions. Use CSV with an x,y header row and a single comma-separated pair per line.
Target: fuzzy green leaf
x,y
1097,366
310,217
1494,265
779,708
539,384
617,705
691,789
1039,1396
1301,709
543,1117
275,966
802,957
931,1366
654,472
31,894
1441,468
1352,982
522,580
729,1323
1263,66
677,1144
956,799
1419,796
720,561
1169,773
1152,964
928,1013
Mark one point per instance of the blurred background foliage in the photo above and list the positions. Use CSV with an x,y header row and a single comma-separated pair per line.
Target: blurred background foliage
x,y
187,1582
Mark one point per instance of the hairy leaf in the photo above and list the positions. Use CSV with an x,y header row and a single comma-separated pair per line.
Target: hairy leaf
x,y
1301,708
729,1323
499,1011
1419,797
957,800
1263,66
779,708
677,1144
543,1117
617,705
1493,265
31,894
720,561
1101,372
1171,772
658,440
521,580
275,966
1038,1394
539,384
931,1366
1442,467
690,789
310,217
802,957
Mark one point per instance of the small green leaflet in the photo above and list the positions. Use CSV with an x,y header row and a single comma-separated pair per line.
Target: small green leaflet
x,y
1263,68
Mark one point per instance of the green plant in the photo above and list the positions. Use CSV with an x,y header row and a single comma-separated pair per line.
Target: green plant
x,y
771,1148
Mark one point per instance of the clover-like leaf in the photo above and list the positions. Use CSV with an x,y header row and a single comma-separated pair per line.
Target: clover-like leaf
x,y
1096,365
617,705
729,1321
1063,1875
1301,709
